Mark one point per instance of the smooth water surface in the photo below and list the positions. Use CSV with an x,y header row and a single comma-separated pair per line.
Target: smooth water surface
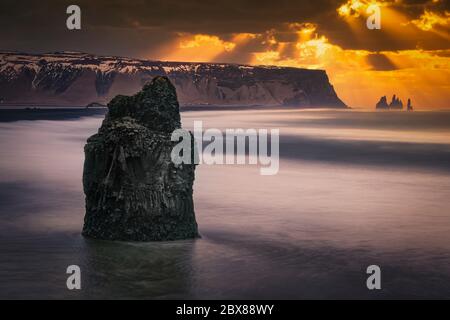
x,y
353,189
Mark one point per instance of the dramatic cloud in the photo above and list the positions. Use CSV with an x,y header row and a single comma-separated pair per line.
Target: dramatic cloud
x,y
380,62
409,55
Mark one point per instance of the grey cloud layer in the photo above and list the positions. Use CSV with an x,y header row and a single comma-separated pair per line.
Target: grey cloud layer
x,y
135,28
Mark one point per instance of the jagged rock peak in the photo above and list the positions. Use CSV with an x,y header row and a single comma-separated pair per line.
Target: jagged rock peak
x,y
382,104
409,106
396,103
155,107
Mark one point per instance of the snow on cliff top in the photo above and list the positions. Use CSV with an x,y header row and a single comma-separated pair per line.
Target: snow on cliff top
x,y
11,62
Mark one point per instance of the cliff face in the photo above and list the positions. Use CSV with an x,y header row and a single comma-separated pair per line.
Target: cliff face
x,y
79,79
133,190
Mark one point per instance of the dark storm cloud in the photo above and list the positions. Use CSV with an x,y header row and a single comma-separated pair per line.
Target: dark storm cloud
x,y
140,27
188,15
380,62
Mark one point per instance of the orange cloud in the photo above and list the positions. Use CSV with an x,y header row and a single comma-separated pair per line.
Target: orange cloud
x,y
421,75
360,77
203,40
430,19
198,48
352,8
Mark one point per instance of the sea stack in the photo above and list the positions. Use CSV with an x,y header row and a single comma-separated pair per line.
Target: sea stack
x,y
395,104
134,192
382,104
409,106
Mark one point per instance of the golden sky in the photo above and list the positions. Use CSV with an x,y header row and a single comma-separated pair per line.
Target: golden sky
x,y
408,56
360,76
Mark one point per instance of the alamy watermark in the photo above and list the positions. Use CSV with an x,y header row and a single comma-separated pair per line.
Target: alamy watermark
x,y
374,280
73,21
234,146
373,22
74,280
373,12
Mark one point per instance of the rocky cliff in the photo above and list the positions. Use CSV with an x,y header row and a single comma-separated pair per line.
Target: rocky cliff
x,y
70,78
133,190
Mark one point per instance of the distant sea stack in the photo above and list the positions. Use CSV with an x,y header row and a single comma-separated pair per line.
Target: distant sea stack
x,y
133,190
382,104
395,104
95,105
77,79
409,106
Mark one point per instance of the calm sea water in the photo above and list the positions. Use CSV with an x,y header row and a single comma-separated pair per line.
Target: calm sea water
x,y
354,189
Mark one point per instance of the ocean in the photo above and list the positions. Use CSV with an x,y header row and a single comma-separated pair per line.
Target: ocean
x,y
354,189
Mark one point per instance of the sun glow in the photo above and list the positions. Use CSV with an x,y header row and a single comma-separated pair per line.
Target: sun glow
x,y
360,77
429,19
203,40
419,74
354,8
198,48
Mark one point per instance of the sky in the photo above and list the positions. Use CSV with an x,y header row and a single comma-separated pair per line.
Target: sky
x,y
409,56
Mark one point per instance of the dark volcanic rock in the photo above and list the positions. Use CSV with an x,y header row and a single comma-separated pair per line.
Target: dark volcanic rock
x,y
409,106
382,104
133,190
396,103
